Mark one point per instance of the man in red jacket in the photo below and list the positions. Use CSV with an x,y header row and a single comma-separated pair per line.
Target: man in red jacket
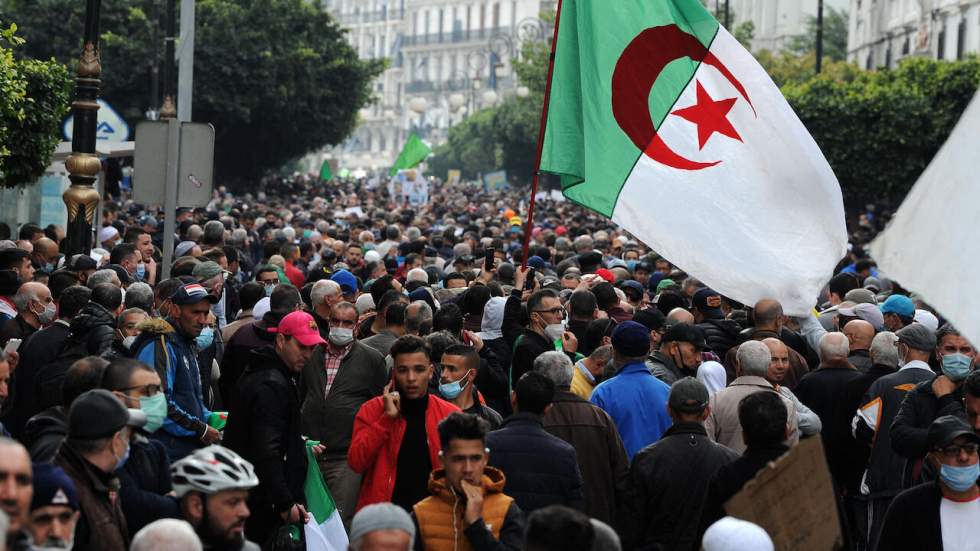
x,y
396,439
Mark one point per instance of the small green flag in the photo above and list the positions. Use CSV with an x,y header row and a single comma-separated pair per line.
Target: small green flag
x,y
412,154
325,174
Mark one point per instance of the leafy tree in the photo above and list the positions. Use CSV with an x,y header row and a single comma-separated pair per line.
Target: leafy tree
x,y
34,98
834,35
276,77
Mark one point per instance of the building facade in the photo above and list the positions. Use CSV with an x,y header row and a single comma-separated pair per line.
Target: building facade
x,y
881,32
776,21
447,59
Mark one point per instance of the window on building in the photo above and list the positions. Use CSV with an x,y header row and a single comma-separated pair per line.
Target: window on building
x,y
483,17
888,56
906,46
469,23
496,15
426,30
961,38
441,15
941,43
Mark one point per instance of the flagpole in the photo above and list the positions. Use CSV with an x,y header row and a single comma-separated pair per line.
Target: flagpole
x,y
537,160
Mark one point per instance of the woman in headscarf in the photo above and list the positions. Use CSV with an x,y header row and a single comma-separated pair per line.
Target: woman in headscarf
x,y
492,378
713,376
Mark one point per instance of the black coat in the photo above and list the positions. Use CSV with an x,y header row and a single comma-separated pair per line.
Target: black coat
x,y
144,482
497,397
720,334
730,478
95,327
919,409
264,428
237,354
541,469
44,433
38,351
668,483
834,393
912,522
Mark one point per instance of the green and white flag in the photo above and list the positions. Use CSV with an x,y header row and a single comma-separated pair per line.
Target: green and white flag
x,y
660,120
414,152
325,174
324,531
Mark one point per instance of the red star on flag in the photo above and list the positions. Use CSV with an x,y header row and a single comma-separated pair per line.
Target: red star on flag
x,y
710,116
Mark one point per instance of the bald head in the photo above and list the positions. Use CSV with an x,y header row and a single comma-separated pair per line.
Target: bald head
x,y
767,314
859,334
680,315
46,249
779,364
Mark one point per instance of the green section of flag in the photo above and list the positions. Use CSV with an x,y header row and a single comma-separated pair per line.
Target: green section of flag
x,y
583,142
319,502
325,173
412,154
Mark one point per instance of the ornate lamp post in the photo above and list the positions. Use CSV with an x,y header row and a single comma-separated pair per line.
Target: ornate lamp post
x,y
83,165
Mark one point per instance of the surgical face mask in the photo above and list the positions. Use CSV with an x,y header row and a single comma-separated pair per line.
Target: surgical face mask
x,y
269,289
960,479
47,315
155,408
554,331
956,366
128,342
48,268
141,271
206,337
341,336
451,390
123,459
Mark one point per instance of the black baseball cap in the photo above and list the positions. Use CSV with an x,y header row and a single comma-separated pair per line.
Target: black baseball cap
x,y
688,395
944,430
685,332
98,414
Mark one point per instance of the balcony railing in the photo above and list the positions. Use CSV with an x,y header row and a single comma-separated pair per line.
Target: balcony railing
x,y
454,36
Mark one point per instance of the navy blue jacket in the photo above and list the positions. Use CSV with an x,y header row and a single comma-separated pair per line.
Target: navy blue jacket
x,y
541,469
144,482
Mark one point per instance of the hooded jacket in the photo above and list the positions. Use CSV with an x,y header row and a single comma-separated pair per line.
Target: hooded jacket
x,y
44,433
174,356
720,335
440,524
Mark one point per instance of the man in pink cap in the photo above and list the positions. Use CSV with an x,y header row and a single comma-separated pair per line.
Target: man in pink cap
x,y
264,425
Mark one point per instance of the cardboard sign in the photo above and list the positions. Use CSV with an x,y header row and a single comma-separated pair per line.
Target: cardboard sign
x,y
793,500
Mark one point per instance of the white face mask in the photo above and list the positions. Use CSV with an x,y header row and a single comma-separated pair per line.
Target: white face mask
x,y
341,336
128,341
554,331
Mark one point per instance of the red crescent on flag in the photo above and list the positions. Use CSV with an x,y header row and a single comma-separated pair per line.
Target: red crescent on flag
x,y
637,70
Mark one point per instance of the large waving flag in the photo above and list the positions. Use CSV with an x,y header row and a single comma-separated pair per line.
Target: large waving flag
x,y
930,246
414,152
662,121
324,531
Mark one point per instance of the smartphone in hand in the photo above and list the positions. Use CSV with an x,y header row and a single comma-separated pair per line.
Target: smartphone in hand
x,y
12,346
529,282
488,260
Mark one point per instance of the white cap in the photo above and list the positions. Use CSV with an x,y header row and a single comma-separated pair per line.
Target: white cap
x,y
261,308
732,534
372,256
417,274
107,233
364,304
927,318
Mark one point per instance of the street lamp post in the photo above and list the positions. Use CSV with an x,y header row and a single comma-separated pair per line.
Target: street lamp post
x,y
168,110
83,166
819,46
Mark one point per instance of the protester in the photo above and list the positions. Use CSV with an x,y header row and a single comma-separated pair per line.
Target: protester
x,y
395,442
599,450
668,480
16,491
382,527
54,508
732,534
541,469
166,535
212,485
634,398
809,422
35,309
264,426
558,528
340,377
941,514
98,426
459,365
680,353
489,519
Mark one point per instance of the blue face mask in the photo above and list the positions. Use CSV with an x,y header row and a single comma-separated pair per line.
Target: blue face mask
x,y
960,479
141,271
451,390
122,460
205,339
269,289
956,366
631,264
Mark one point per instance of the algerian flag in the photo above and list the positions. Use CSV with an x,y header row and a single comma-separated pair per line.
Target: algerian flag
x,y
324,531
414,152
325,173
662,121
930,246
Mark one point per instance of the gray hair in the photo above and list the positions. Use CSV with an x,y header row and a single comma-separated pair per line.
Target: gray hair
x,y
365,237
583,243
101,276
461,249
167,534
323,289
128,312
423,314
139,295
380,516
884,349
753,358
413,233
555,366
833,346
24,296
194,233
214,232
238,236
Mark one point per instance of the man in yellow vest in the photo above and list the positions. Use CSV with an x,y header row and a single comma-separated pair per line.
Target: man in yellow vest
x,y
467,509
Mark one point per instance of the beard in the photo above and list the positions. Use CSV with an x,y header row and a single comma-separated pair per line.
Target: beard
x,y
54,544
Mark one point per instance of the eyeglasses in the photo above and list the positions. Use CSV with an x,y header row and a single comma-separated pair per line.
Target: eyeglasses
x,y
148,390
556,310
268,282
953,451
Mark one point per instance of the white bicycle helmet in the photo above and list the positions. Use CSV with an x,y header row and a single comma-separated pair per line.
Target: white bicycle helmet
x,y
212,469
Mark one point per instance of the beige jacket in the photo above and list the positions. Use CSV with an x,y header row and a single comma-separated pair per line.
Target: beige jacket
x,y
722,423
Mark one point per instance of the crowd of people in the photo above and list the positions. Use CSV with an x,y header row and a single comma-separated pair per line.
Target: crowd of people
x,y
452,398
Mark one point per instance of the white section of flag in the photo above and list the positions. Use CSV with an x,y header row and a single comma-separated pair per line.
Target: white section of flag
x,y
328,536
768,221
931,244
